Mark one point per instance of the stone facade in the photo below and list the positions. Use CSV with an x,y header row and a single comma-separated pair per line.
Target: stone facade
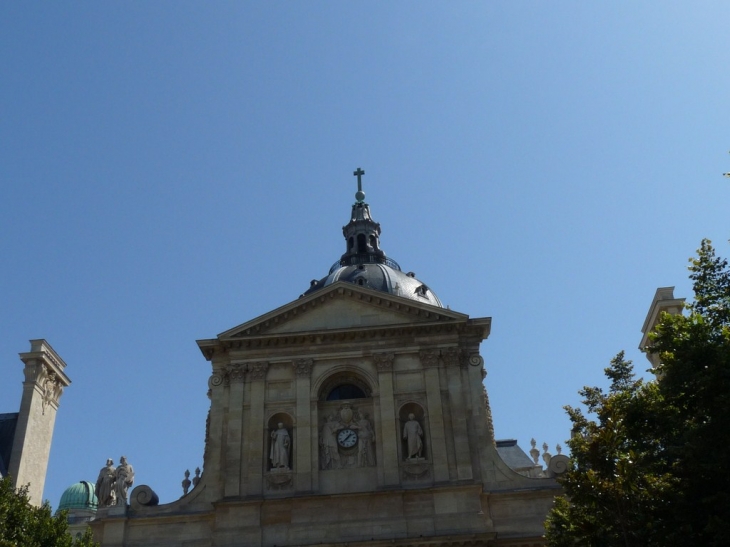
x,y
347,416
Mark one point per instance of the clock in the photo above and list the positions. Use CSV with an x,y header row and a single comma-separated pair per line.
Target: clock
x,y
346,438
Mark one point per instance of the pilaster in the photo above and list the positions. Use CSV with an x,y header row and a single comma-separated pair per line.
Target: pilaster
x,y
233,477
452,360
255,438
437,435
44,383
388,419
303,465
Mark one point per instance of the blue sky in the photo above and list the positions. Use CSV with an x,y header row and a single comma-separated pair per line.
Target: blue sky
x,y
172,169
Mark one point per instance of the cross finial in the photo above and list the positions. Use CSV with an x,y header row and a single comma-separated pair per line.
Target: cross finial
x,y
360,195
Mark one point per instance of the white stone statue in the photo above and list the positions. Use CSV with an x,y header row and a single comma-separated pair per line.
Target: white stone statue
x,y
329,454
365,440
413,433
123,479
280,444
104,489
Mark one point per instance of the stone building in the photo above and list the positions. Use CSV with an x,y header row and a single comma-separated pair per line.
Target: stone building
x,y
26,435
354,415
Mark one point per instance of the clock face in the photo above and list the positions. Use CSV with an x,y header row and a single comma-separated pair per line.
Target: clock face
x,y
347,438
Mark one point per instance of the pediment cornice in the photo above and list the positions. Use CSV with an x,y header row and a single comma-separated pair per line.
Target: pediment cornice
x,y
417,311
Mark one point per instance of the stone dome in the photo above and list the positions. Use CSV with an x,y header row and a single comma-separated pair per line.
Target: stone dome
x,y
79,496
364,263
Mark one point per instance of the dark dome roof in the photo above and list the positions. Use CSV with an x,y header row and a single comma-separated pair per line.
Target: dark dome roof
x,y
381,277
365,263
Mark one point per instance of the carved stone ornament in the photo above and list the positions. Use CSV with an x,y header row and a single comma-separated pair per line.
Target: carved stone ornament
x,y
415,470
258,370
429,358
236,372
303,367
451,357
384,361
216,379
347,439
475,360
279,479
52,390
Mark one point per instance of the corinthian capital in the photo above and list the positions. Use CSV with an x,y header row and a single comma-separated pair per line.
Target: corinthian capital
x,y
384,361
303,367
258,370
429,357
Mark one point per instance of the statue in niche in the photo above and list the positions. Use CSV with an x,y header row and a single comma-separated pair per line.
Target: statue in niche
x,y
280,444
412,434
365,440
329,454
104,489
123,479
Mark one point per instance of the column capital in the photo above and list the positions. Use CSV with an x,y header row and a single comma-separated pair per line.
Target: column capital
x,y
303,367
384,361
235,372
453,357
257,371
429,358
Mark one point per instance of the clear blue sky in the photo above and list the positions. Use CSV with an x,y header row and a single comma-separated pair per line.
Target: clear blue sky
x,y
172,169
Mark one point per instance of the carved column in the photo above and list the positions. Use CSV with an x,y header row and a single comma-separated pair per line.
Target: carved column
x,y
255,449
303,466
42,389
388,418
437,435
457,397
234,465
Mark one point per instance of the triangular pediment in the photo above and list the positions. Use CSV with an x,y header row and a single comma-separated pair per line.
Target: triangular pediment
x,y
342,306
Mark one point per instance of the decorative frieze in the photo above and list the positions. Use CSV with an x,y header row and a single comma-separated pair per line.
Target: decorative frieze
x,y
384,361
303,367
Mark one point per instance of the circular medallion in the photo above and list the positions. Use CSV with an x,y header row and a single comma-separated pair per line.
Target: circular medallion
x,y
347,438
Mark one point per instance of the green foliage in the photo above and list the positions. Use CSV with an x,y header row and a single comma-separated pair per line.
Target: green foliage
x,y
24,525
651,469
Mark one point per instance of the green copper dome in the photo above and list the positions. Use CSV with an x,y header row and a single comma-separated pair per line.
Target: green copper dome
x,y
79,496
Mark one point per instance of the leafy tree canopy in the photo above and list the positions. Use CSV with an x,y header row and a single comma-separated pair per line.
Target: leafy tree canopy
x,y
649,467
25,525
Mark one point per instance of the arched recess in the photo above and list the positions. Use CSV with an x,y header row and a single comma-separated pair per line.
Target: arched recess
x,y
347,377
276,449
410,434
346,422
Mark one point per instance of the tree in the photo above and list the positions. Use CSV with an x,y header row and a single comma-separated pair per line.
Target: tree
x,y
24,525
650,469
